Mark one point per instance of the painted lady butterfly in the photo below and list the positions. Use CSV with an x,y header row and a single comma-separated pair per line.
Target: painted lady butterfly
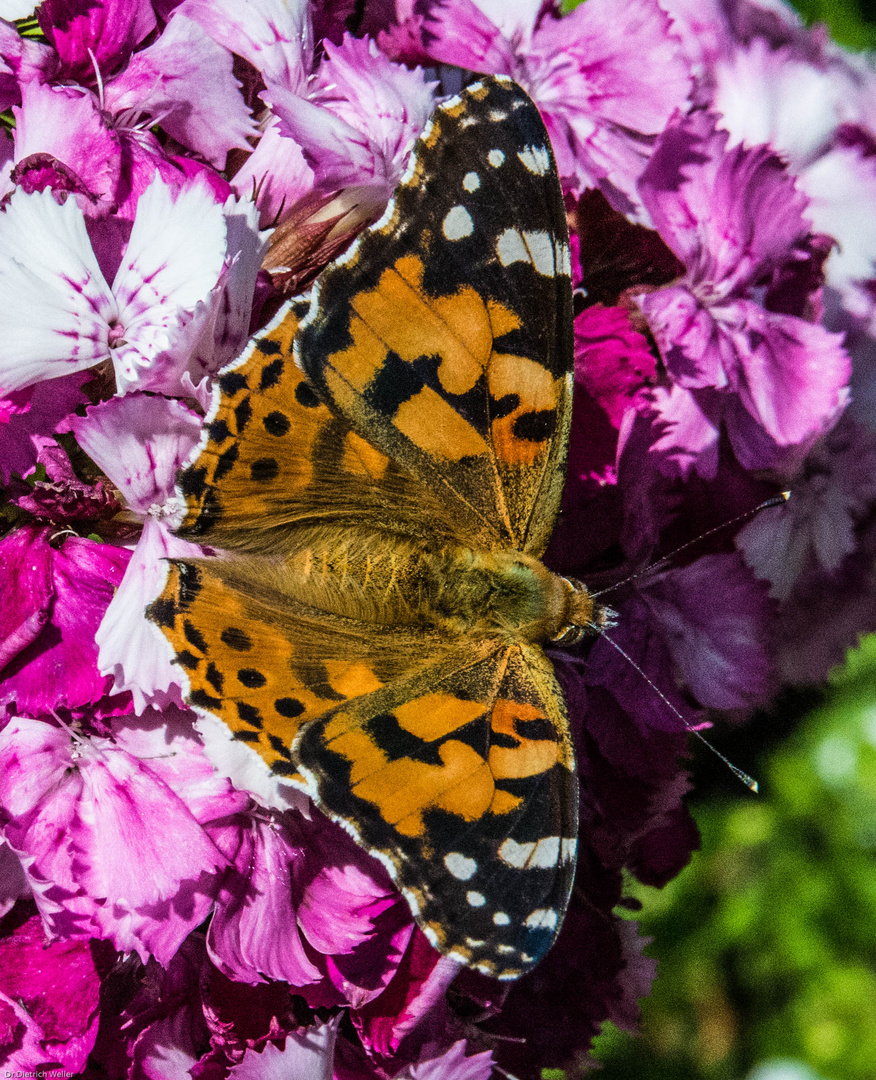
x,y
372,627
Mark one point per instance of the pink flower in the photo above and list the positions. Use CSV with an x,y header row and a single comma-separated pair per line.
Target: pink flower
x,y
165,83
273,35
817,528
32,414
49,1004
140,442
309,1054
305,905
109,30
77,807
358,120
94,45
735,219
168,291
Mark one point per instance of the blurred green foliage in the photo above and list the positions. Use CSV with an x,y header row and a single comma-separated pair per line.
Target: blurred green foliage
x,y
766,943
851,22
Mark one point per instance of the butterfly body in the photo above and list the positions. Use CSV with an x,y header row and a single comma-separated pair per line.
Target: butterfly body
x,y
395,580
379,475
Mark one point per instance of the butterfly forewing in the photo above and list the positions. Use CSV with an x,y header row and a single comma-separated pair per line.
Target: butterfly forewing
x,y
444,335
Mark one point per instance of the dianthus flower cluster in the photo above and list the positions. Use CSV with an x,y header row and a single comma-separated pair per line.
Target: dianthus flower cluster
x,y
170,171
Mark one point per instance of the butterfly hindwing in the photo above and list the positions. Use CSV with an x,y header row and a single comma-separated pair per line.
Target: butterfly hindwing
x,y
461,779
444,335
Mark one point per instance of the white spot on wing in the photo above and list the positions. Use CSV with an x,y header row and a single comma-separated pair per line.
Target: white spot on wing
x,y
542,919
471,181
461,866
497,116
547,852
535,248
475,899
542,250
457,223
513,854
510,248
563,258
536,159
496,158
540,855
501,919
475,943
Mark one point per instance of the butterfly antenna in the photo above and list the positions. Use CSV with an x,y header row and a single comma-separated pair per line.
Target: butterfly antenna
x,y
776,500
749,781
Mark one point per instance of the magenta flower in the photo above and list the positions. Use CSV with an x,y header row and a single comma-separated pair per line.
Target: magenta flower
x,y
27,416
57,594
734,218
306,906
94,45
49,1006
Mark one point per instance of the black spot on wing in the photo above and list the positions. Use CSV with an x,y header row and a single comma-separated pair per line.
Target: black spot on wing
x,y
264,470
271,373
395,383
398,743
236,639
276,423
535,426
249,714
251,678
289,707
232,382
305,396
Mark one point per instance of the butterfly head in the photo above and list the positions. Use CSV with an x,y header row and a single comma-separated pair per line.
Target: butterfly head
x,y
585,616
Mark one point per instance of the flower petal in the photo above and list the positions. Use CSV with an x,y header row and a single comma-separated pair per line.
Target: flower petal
x,y
68,123
166,80
132,648
58,669
57,305
139,441
308,1053
273,35
89,33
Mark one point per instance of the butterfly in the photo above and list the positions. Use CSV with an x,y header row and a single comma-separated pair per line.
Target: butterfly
x,y
379,475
